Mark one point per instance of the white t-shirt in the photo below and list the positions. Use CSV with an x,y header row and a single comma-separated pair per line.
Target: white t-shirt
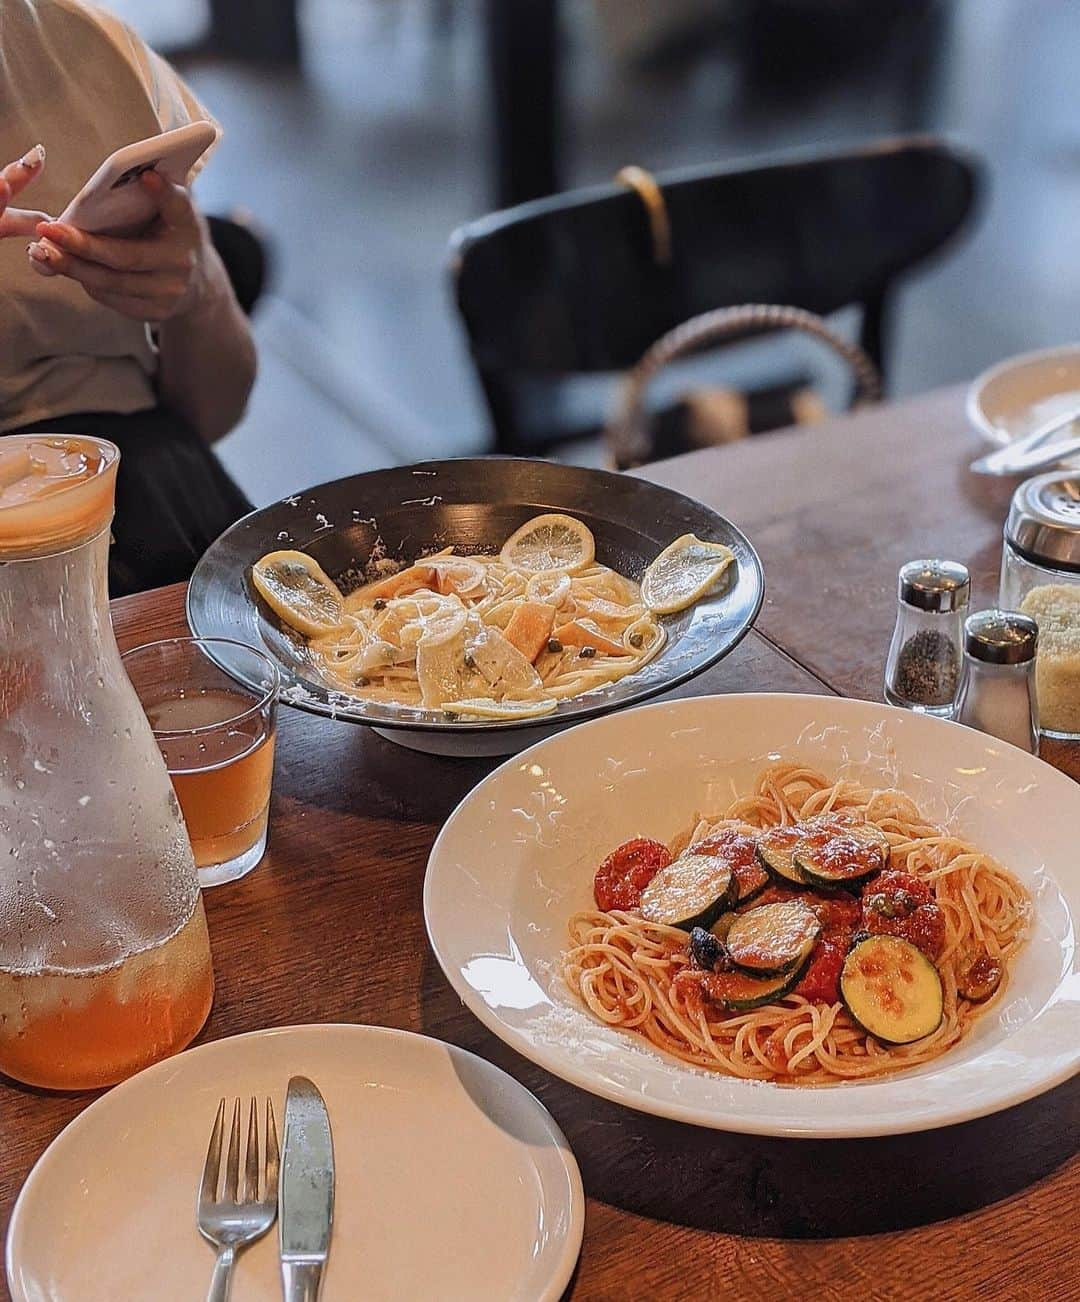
x,y
83,84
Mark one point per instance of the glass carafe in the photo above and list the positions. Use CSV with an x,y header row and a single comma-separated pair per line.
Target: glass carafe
x,y
104,954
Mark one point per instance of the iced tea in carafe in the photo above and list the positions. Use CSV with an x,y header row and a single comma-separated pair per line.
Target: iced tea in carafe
x,y
104,955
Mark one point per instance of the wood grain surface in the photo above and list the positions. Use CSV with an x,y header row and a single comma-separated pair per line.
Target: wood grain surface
x,y
987,1209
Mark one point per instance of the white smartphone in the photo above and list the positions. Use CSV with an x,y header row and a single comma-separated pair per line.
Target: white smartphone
x,y
110,203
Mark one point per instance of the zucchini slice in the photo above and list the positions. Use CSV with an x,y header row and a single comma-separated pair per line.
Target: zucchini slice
x,y
775,850
751,878
892,989
738,991
774,938
723,925
841,857
689,892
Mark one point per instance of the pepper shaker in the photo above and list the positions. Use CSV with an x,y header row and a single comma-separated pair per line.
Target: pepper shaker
x,y
923,665
997,688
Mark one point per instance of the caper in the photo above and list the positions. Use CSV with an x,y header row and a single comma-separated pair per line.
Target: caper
x,y
470,660
554,645
587,652
636,640
379,603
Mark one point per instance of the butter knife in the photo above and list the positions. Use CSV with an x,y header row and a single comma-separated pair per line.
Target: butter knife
x,y
306,1198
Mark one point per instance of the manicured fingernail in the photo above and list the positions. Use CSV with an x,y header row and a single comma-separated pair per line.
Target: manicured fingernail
x,y
33,158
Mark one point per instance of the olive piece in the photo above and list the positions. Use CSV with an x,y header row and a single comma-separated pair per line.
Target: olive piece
x,y
379,603
554,645
587,652
981,979
470,660
705,949
636,641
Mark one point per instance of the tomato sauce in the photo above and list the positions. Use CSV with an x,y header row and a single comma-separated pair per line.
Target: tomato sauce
x,y
839,917
900,904
626,872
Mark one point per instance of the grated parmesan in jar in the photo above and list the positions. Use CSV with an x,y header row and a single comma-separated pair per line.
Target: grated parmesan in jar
x,y
1056,609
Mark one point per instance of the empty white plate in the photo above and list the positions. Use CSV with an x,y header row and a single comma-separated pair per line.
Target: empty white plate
x,y
453,1182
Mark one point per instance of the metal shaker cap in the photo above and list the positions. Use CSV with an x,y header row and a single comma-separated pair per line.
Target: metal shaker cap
x,y
1044,520
934,585
1000,637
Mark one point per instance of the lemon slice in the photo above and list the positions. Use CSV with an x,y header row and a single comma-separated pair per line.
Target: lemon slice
x,y
483,707
298,591
548,543
683,572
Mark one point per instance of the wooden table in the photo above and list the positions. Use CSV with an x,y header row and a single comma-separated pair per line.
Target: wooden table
x,y
984,1209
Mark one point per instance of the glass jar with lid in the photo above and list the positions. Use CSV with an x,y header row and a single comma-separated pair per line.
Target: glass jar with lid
x,y
104,954
1040,575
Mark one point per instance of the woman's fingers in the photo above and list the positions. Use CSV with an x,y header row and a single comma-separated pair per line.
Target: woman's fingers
x,y
13,178
17,176
20,221
173,202
132,254
93,276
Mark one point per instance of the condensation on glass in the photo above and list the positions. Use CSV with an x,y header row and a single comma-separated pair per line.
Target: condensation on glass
x,y
104,954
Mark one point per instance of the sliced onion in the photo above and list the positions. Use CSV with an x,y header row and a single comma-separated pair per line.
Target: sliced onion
x,y
554,589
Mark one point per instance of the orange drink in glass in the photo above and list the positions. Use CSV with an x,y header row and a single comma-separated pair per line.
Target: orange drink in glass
x,y
215,730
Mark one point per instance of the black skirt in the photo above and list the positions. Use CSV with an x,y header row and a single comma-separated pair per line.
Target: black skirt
x,y
173,496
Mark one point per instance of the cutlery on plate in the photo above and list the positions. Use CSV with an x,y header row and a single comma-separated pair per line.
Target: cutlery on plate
x,y
306,1199
1028,452
239,1216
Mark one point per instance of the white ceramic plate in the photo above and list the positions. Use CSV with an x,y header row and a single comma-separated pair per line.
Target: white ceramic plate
x,y
518,856
1013,397
453,1182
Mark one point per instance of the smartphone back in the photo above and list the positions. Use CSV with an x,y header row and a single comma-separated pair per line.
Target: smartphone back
x,y
113,203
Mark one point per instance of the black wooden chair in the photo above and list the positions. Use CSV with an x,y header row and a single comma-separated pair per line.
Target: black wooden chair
x,y
571,285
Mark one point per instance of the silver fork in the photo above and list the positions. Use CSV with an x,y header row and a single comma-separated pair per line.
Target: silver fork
x,y
236,1219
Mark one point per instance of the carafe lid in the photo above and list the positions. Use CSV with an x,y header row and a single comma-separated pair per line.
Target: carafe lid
x,y
1044,520
56,491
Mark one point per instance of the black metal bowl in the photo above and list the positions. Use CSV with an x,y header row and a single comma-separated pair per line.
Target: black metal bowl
x,y
473,504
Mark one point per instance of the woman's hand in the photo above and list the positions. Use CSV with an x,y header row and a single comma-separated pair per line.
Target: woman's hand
x,y
13,178
154,277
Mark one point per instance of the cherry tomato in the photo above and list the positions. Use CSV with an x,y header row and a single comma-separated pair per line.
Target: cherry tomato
x,y
626,872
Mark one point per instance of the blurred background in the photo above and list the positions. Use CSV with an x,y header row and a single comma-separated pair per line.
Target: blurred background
x,y
360,133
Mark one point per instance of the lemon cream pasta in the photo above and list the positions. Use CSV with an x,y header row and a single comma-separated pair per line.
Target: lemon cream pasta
x,y
490,636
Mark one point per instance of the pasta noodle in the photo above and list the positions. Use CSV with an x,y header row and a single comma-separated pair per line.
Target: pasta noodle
x,y
623,968
377,656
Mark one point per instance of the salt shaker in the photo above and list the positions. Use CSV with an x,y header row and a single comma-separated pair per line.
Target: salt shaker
x,y
923,665
997,687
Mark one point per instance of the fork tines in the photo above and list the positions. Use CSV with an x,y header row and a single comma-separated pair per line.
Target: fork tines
x,y
214,1189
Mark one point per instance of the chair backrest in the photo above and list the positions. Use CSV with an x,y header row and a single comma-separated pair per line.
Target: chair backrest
x,y
569,284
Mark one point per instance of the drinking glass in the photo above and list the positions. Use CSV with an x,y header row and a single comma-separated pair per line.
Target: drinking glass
x,y
216,732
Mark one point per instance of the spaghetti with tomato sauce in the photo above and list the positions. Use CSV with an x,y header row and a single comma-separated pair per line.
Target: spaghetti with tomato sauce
x,y
884,902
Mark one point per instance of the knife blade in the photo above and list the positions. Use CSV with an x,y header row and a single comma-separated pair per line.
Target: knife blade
x,y
306,1198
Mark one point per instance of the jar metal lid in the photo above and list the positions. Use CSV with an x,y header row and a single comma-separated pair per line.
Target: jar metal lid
x,y
1001,637
1044,520
934,585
